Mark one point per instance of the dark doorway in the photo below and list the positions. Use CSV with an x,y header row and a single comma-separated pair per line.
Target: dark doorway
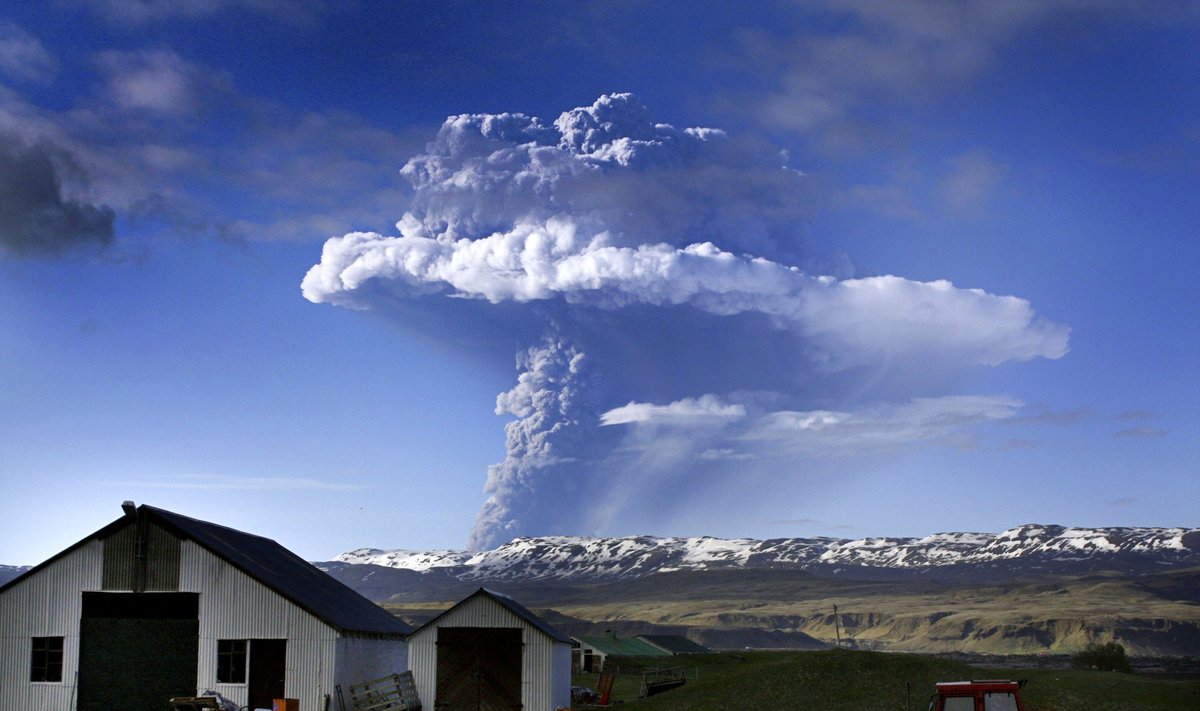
x,y
478,669
136,650
268,666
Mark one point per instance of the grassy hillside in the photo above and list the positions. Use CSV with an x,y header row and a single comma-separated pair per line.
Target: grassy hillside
x,y
1150,615
841,679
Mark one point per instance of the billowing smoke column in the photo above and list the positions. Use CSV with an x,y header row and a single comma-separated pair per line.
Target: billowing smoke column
x,y
550,422
670,262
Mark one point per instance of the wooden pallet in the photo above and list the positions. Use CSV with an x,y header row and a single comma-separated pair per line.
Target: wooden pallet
x,y
194,703
396,692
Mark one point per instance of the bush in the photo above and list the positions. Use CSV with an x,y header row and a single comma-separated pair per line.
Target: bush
x,y
1109,656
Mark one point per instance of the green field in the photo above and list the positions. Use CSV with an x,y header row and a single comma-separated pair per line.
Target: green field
x,y
875,681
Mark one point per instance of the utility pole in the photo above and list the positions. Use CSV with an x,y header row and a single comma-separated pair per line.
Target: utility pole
x,y
837,626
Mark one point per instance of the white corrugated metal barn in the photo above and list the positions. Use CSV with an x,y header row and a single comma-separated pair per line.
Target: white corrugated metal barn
x,y
157,605
489,652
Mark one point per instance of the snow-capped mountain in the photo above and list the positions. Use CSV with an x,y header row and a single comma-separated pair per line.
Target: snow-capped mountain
x,y
580,558
8,572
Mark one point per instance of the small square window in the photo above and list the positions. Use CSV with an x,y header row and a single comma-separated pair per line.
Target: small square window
x,y
231,661
46,661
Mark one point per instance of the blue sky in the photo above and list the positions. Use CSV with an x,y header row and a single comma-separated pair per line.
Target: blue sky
x,y
926,267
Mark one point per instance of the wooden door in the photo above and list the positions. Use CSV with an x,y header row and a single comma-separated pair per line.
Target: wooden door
x,y
478,669
268,666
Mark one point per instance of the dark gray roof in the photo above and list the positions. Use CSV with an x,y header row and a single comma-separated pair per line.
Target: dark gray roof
x,y
287,574
512,606
281,570
674,643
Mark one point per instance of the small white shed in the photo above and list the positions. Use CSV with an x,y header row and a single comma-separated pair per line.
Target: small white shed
x,y
489,652
157,605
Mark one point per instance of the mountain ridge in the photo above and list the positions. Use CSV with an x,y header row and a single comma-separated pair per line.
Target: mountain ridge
x,y
579,558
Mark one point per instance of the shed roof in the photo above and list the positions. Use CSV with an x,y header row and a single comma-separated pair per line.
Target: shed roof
x,y
674,643
611,645
508,603
276,567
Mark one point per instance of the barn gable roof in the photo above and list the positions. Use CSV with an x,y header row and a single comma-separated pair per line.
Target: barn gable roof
x,y
511,605
276,567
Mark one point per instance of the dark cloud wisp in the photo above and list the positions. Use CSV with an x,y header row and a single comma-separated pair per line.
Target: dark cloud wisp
x,y
36,219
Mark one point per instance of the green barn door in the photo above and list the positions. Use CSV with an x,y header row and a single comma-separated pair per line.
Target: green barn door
x,y
137,650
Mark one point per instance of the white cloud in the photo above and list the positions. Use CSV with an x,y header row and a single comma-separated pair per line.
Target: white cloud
x,y
219,482
23,57
725,454
157,81
706,408
603,209
903,52
740,433
890,200
850,322
880,426
971,182
128,142
1142,433
607,168
145,11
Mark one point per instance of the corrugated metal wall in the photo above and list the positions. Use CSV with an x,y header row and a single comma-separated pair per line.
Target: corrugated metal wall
x,y
118,558
162,556
162,559
235,606
362,659
45,604
545,664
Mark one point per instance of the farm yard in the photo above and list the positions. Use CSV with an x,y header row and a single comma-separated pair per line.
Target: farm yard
x,y
844,679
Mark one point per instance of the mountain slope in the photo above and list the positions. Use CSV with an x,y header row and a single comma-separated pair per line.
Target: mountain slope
x,y
1031,589
599,559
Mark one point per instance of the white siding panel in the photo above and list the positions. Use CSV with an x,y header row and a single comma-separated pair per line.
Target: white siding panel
x,y
234,605
545,663
361,659
422,662
45,604
560,676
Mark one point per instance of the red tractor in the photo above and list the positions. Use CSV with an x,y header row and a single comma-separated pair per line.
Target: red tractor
x,y
986,695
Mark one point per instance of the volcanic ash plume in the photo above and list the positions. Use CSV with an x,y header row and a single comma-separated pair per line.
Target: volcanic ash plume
x,y
675,258
527,486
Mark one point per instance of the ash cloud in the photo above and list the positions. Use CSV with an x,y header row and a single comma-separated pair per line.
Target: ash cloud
x,y
670,273
36,218
552,419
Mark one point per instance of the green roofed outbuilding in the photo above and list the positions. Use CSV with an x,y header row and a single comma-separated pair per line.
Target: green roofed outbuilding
x,y
594,651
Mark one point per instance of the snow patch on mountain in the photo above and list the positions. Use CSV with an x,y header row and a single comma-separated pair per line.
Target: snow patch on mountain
x,y
574,557
406,559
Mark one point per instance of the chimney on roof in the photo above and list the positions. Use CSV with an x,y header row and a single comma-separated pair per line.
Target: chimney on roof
x,y
128,507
